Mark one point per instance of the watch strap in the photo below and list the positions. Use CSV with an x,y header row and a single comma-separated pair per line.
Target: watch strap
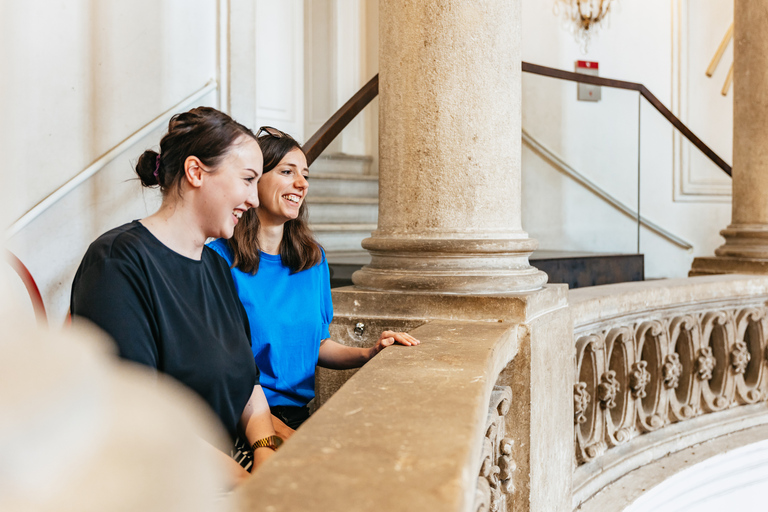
x,y
272,441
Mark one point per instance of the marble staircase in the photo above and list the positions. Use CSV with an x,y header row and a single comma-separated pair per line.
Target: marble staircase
x,y
343,202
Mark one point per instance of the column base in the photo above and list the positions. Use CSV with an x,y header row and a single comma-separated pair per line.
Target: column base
x,y
450,266
713,265
745,251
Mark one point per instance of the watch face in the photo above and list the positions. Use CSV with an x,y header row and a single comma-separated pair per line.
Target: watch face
x,y
278,441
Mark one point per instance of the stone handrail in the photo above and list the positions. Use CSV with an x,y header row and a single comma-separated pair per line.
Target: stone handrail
x,y
661,368
411,430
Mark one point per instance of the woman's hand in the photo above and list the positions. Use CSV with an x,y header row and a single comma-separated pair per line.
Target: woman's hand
x,y
388,338
340,357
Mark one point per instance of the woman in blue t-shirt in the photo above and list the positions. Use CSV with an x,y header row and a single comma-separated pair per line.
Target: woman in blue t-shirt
x,y
282,278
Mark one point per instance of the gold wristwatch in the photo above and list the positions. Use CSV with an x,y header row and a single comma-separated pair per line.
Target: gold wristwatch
x,y
273,442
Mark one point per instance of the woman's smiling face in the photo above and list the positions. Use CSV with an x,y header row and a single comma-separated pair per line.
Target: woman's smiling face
x,y
232,188
283,189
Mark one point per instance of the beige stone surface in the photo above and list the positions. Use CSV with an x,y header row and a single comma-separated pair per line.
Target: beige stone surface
x,y
542,412
750,113
405,432
398,435
355,304
450,121
600,303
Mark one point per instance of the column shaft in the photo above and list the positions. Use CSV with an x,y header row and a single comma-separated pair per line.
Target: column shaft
x,y
746,239
450,122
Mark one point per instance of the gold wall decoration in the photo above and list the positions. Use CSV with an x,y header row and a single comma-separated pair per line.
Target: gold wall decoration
x,y
716,60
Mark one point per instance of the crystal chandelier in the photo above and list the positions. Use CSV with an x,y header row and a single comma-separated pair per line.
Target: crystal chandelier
x,y
583,17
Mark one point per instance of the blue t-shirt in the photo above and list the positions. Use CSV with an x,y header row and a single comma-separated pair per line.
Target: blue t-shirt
x,y
289,316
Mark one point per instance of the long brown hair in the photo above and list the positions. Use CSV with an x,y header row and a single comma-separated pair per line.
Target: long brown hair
x,y
299,250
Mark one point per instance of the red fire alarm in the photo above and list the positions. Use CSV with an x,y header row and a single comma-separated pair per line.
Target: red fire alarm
x,y
588,92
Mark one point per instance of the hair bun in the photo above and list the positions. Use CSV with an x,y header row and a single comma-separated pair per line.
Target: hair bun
x,y
146,167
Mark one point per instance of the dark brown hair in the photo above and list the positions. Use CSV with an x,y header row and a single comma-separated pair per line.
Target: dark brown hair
x,y
298,249
203,132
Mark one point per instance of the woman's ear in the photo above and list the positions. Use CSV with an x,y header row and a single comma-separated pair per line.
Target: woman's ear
x,y
193,171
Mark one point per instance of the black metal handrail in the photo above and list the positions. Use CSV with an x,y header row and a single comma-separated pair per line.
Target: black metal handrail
x,y
325,135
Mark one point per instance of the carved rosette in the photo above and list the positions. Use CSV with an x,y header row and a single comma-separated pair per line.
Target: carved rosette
x,y
580,402
497,465
705,364
740,357
608,389
676,364
639,378
672,370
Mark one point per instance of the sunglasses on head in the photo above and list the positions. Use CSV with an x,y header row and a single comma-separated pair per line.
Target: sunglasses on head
x,y
274,132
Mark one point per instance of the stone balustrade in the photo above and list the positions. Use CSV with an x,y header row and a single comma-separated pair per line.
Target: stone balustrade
x,y
663,366
658,368
415,429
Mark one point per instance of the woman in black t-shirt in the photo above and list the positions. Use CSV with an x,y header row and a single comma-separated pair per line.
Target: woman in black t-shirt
x,y
168,300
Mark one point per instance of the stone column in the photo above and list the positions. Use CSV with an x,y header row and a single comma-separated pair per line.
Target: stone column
x,y
746,238
450,247
450,122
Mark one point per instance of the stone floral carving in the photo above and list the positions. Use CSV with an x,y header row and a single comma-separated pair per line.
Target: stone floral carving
x,y
672,370
595,450
507,465
580,402
740,357
624,434
705,363
608,390
497,467
669,353
482,494
639,378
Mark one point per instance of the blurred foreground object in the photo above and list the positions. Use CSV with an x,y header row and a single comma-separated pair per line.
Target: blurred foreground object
x,y
82,431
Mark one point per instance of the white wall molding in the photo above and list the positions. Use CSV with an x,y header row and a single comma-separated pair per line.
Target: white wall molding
x,y
690,184
336,55
106,158
350,48
223,55
280,65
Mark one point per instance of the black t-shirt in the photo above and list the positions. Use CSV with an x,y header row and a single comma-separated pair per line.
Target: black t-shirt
x,y
169,312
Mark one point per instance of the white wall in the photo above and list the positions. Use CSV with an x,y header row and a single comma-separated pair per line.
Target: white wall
x,y
78,77
81,76
600,139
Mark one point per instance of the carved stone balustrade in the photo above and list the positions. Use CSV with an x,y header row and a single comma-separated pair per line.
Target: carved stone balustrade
x,y
414,429
661,366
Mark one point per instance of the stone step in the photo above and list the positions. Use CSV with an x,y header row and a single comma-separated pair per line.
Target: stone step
x,y
343,185
329,210
577,269
336,163
342,238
